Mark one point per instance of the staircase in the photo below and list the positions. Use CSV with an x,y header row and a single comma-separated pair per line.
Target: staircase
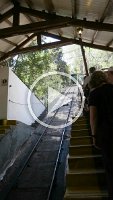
x,y
5,125
85,178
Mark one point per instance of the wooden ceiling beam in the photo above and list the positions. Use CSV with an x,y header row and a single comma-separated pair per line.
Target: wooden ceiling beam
x,y
106,10
6,55
94,46
63,42
39,40
109,43
74,8
84,56
49,6
25,42
57,37
35,48
9,42
55,23
94,36
6,15
16,13
29,3
36,13
29,18
8,22
34,27
75,41
74,4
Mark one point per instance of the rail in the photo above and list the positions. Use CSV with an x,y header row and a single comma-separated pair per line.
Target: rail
x,y
4,194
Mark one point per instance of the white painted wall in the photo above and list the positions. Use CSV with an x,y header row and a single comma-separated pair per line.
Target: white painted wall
x,y
13,99
17,101
4,72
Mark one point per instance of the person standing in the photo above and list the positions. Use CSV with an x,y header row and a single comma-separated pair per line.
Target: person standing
x,y
110,75
86,90
101,121
87,78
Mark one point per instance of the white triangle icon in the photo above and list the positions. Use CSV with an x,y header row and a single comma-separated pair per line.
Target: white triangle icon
x,y
56,99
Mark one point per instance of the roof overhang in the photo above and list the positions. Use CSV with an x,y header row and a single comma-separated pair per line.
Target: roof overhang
x,y
20,23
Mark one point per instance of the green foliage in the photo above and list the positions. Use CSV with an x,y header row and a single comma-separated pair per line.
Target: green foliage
x,y
94,57
98,58
28,67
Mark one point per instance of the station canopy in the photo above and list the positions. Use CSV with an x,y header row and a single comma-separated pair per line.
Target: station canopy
x,y
23,21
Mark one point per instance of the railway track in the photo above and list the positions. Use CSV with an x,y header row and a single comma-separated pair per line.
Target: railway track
x,y
34,178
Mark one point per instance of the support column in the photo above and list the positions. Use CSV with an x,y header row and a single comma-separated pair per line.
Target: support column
x,y
39,42
84,57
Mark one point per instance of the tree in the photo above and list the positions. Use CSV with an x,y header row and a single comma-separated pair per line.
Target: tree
x,y
94,57
31,65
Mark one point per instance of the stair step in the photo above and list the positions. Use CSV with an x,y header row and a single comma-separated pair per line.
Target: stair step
x,y
86,195
86,171
85,162
81,118
77,133
80,127
4,127
79,122
86,180
80,140
7,122
80,150
2,131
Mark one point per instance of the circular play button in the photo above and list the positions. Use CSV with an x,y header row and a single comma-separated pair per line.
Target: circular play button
x,y
55,99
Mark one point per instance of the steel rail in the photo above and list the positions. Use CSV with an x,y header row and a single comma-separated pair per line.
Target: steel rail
x,y
5,193
38,141
58,155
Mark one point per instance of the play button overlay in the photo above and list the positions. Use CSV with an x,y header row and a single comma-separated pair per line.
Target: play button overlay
x,y
56,100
